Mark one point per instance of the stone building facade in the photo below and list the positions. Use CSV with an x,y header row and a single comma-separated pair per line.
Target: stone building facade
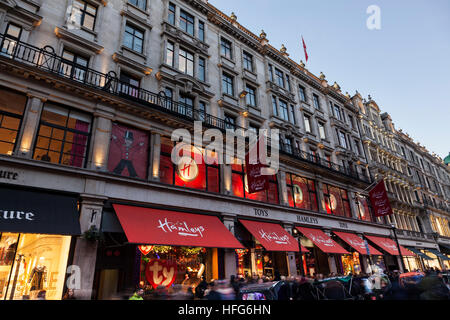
x,y
86,83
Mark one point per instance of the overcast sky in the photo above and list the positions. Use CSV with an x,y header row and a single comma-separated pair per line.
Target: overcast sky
x,y
404,66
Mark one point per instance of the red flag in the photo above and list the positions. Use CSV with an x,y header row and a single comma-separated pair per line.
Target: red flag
x,y
304,48
379,199
255,180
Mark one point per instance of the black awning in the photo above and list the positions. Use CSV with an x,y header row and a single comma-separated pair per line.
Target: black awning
x,y
110,222
445,248
419,253
437,253
27,211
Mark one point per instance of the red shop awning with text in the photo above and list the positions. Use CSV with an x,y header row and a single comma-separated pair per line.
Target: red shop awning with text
x,y
272,236
357,243
320,239
389,246
162,227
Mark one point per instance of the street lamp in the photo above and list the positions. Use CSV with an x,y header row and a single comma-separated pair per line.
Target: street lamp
x,y
297,235
398,246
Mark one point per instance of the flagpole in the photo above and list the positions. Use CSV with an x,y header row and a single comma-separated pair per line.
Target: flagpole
x,y
375,182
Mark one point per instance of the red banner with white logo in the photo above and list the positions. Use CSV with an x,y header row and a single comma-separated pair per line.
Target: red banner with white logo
x,y
320,239
357,243
379,200
255,180
172,228
272,236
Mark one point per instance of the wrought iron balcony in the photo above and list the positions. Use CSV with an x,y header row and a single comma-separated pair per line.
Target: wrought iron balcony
x,y
315,159
47,60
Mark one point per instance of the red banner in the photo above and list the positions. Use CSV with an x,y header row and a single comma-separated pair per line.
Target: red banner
x,y
255,180
379,200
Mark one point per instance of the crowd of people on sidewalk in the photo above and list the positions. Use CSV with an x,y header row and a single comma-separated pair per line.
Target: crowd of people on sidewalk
x,y
415,285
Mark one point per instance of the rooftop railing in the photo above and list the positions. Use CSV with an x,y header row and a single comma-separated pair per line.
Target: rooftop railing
x,y
47,60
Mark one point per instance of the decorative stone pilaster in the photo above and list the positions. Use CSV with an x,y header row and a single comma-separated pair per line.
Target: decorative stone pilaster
x,y
290,256
30,126
85,254
230,254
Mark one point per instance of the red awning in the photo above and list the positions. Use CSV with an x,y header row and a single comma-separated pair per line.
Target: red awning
x,y
320,239
357,243
161,227
389,246
272,236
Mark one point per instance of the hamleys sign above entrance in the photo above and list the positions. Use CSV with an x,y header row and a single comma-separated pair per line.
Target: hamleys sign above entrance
x,y
163,227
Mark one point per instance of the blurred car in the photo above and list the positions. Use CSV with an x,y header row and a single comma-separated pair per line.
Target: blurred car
x,y
276,290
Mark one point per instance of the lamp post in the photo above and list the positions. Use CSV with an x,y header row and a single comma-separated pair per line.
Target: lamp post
x,y
297,234
398,246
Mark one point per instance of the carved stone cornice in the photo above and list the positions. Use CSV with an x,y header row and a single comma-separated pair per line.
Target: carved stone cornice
x,y
77,40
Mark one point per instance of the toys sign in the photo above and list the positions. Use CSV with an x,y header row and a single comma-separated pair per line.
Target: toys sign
x,y
161,273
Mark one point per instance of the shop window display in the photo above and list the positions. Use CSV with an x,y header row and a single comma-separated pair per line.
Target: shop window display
x,y
336,201
240,186
188,173
31,264
350,263
364,209
167,265
301,192
128,152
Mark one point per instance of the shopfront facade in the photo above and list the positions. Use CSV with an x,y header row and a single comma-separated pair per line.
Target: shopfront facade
x,y
35,242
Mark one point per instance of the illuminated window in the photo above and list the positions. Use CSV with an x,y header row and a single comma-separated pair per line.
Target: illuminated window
x,y
12,106
301,192
204,175
336,201
240,188
364,209
63,136
31,263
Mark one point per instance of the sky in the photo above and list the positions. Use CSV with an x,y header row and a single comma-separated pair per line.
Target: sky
x,y
404,66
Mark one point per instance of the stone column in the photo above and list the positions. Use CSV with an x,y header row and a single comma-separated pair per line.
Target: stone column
x,y
30,126
155,152
227,179
290,256
100,140
230,254
283,188
320,197
353,207
85,254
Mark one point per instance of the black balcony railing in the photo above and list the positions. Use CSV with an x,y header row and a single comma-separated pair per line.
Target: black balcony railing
x,y
315,159
47,60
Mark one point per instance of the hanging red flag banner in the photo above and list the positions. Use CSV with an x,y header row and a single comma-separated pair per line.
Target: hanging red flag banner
x,y
304,48
255,180
379,200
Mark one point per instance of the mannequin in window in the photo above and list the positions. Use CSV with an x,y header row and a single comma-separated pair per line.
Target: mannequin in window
x,y
38,276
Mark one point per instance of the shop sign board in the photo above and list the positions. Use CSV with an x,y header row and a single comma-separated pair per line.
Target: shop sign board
x,y
8,175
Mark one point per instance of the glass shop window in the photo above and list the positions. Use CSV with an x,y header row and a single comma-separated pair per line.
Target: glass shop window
x,y
63,136
12,106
